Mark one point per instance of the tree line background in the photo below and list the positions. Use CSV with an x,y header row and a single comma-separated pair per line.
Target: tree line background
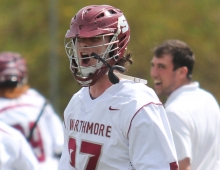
x,y
36,29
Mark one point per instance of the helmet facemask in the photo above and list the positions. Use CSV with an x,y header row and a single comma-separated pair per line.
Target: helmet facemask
x,y
80,56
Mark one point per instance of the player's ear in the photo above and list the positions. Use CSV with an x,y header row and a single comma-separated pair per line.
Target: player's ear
x,y
182,71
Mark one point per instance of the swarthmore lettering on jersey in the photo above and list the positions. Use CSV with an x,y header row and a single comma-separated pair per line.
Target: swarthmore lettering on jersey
x,y
90,127
101,139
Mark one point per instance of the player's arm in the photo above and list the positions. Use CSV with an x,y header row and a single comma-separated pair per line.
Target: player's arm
x,y
182,138
184,164
151,145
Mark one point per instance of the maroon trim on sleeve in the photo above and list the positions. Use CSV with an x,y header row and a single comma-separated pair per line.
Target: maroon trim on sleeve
x,y
11,107
137,113
3,130
173,166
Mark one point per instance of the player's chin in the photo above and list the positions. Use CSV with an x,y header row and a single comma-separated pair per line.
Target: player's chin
x,y
158,90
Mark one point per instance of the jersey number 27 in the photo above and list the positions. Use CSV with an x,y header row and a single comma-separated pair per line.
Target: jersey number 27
x,y
93,150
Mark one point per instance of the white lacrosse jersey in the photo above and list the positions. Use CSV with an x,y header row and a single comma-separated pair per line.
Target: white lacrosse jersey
x,y
15,152
194,118
47,139
125,128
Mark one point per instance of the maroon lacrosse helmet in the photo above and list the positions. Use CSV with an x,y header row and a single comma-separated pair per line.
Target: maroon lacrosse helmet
x,y
96,21
13,69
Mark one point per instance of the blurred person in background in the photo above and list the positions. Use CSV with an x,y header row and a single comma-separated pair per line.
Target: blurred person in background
x,y
28,111
193,113
15,151
111,123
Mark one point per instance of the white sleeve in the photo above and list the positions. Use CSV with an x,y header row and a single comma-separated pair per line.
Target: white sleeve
x,y
181,135
151,145
26,159
64,163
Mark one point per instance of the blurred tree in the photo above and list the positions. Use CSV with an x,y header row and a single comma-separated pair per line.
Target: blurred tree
x,y
25,28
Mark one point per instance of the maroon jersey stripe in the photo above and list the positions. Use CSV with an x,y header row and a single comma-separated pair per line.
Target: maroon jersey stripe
x,y
11,107
138,111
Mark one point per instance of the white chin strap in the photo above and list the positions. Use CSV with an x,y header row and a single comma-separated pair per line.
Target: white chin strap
x,y
134,79
86,71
